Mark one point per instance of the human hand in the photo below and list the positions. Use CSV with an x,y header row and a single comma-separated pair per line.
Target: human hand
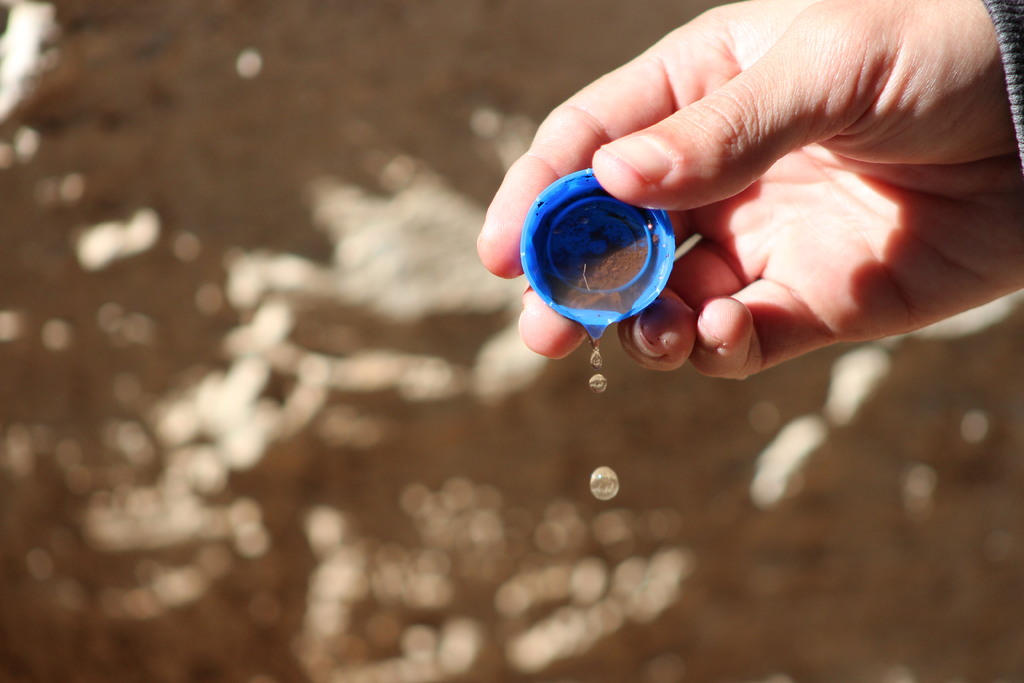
x,y
851,167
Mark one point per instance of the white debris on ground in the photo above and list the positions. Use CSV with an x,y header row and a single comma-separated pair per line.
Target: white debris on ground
x,y
638,589
505,365
404,256
249,63
784,457
23,50
224,420
919,483
856,376
350,573
12,325
508,136
462,530
105,243
422,237
973,321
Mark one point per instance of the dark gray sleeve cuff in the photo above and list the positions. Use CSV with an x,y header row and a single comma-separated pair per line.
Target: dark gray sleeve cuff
x,y
1008,17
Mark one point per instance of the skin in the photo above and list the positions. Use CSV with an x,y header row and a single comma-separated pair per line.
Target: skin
x,y
852,169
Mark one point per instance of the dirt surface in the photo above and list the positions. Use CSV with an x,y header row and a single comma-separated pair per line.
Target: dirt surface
x,y
264,418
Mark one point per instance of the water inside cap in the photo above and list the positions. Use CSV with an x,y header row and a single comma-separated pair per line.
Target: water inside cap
x,y
593,258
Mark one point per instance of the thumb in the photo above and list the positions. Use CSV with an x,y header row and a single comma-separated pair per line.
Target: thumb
x,y
719,145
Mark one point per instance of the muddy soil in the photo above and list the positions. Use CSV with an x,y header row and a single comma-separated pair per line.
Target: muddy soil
x,y
263,417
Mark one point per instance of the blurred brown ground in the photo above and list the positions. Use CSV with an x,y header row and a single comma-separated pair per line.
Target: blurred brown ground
x,y
411,526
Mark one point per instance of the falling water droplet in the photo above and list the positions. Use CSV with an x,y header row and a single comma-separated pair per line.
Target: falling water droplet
x,y
604,483
595,356
598,382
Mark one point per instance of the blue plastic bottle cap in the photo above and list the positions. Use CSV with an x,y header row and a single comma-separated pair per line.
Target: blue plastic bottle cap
x,y
593,258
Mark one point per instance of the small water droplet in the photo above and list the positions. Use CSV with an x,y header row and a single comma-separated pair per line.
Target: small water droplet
x,y
604,483
595,357
598,383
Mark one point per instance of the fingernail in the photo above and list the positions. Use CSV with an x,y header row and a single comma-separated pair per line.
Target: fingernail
x,y
648,331
644,345
708,340
644,154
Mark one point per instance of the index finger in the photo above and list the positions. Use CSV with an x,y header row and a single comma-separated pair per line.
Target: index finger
x,y
626,100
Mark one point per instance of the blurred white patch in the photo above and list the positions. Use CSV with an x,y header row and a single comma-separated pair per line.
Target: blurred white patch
x,y
125,328
109,317
186,247
224,401
486,122
209,298
508,136
325,529
337,583
784,457
414,377
57,335
103,244
899,674
855,376
973,321
250,537
71,188
17,451
29,26
405,257
249,63
397,173
26,144
529,589
588,581
974,426
12,325
254,274
150,517
200,467
130,440
639,590
551,608
409,255
269,327
918,490
504,365
460,643
58,190
345,426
